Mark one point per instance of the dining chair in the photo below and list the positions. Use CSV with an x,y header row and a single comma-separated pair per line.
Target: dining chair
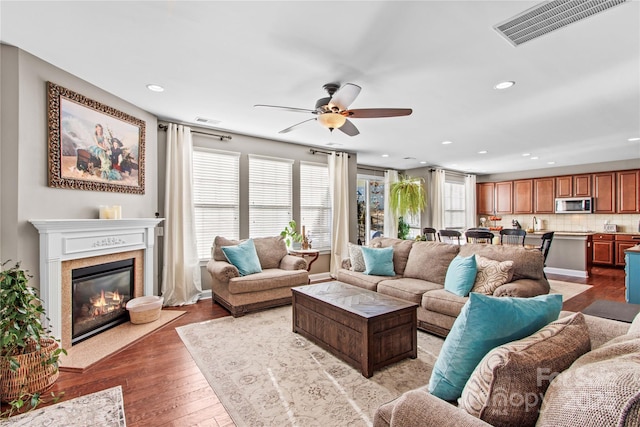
x,y
546,244
512,236
429,234
449,236
479,236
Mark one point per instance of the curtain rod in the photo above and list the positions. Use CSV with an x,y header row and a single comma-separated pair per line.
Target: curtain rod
x,y
222,137
452,172
314,151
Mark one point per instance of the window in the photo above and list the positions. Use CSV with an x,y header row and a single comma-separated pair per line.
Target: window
x,y
216,197
315,203
270,195
370,194
454,205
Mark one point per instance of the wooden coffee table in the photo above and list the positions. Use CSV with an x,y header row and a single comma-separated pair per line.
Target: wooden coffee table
x,y
366,329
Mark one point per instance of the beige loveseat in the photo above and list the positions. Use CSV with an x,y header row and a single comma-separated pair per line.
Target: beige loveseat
x,y
599,388
269,288
421,267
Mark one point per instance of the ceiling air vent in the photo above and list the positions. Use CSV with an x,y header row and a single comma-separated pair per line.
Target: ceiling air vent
x,y
207,121
550,16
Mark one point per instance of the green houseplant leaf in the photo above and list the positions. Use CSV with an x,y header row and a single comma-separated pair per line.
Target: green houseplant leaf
x,y
23,334
407,196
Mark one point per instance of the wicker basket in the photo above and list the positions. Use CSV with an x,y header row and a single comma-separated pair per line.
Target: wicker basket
x,y
145,309
32,376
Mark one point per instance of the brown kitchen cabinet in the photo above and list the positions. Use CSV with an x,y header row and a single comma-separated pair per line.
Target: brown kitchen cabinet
x,y
582,185
523,196
628,184
503,197
603,249
624,242
543,195
485,198
604,192
573,186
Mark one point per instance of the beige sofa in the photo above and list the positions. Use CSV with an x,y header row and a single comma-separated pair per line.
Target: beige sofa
x,y
599,388
421,267
269,288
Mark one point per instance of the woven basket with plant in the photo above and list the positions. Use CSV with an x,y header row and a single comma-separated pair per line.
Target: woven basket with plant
x,y
29,354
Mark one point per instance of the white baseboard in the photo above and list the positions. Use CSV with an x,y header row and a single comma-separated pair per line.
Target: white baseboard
x,y
566,272
206,294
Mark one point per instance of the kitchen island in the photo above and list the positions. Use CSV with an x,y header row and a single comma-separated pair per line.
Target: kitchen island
x,y
571,252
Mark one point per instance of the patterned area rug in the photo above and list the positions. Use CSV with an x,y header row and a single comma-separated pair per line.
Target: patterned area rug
x,y
266,375
101,409
567,289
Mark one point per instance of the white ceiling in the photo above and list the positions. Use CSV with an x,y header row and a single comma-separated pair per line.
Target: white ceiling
x,y
576,98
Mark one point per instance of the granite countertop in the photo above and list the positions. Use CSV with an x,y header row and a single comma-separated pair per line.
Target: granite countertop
x,y
583,233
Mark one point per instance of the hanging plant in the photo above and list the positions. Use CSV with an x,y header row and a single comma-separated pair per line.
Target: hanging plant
x,y
407,196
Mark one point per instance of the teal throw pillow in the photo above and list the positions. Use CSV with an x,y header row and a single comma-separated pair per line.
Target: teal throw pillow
x,y
485,323
378,261
461,275
244,257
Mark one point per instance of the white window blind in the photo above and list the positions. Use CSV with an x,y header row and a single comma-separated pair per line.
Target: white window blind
x,y
315,203
270,195
454,205
216,177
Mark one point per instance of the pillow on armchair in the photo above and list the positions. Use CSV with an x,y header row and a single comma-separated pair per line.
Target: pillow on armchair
x,y
244,257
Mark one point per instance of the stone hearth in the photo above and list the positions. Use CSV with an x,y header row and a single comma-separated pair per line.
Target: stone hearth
x,y
69,244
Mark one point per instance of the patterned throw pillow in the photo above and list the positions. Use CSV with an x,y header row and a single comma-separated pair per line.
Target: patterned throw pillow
x,y
357,260
507,386
491,275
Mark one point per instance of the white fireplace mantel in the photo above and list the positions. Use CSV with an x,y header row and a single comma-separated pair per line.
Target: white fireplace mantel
x,y
68,239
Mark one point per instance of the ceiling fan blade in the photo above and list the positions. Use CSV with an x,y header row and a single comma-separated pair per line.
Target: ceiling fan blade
x,y
349,128
297,110
366,113
344,96
290,128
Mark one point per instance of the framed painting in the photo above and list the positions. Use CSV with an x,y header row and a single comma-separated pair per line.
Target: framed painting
x,y
93,146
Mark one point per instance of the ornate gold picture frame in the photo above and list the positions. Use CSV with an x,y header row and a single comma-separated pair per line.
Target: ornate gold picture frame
x,y
93,146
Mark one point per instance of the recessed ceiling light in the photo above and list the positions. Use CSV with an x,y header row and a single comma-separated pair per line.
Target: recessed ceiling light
x,y
526,154
155,88
423,162
633,139
454,165
447,142
534,158
483,152
504,85
551,163
385,155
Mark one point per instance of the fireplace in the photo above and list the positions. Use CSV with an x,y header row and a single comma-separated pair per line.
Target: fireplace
x,y
69,244
99,296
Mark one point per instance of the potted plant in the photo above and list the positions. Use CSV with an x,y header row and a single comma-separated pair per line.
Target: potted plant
x,y
29,353
407,197
290,234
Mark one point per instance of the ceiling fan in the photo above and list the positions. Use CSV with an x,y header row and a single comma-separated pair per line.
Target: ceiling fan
x,y
332,111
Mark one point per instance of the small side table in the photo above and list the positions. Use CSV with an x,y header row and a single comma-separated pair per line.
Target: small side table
x,y
312,254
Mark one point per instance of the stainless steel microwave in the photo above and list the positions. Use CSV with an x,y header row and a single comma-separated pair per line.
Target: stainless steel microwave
x,y
574,205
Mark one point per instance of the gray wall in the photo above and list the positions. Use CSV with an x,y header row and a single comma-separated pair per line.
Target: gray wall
x,y
24,193
565,170
246,145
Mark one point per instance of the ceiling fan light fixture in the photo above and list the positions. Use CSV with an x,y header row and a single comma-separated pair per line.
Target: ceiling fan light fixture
x,y
332,120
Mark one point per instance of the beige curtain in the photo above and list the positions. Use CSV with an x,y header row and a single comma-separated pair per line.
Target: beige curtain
x,y
470,219
181,266
437,198
390,218
339,181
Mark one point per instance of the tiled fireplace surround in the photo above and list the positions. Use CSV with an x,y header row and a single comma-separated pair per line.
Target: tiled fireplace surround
x,y
69,244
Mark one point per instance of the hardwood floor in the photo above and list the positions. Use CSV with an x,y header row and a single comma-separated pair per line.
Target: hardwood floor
x,y
162,386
